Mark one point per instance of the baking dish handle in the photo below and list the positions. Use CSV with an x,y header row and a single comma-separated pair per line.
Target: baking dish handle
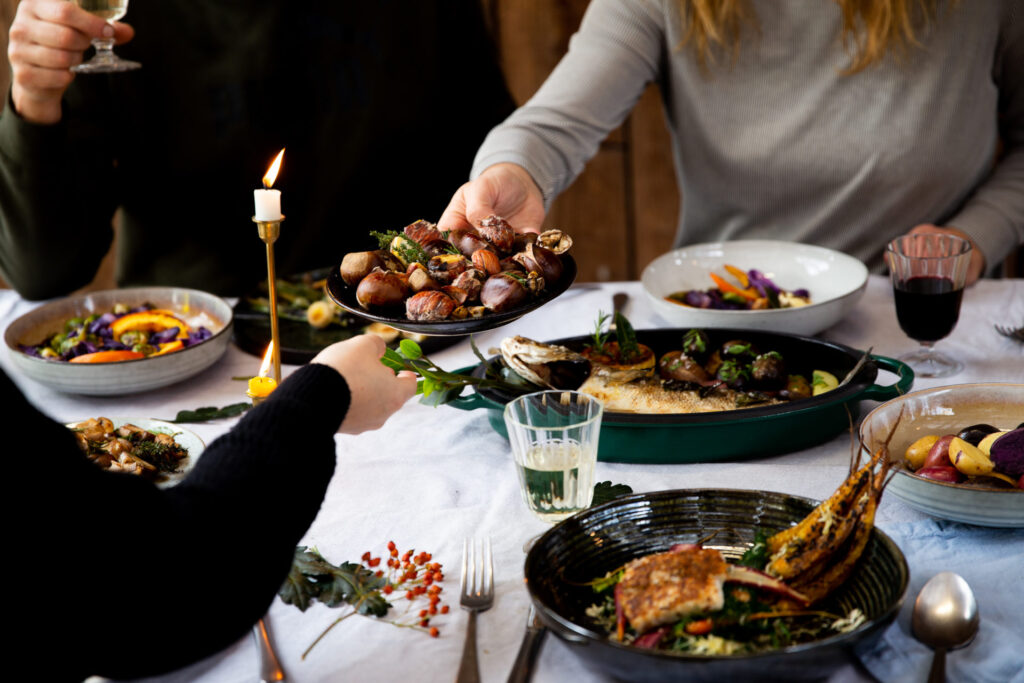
x,y
902,385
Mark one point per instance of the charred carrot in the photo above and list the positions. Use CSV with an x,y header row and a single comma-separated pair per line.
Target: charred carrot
x,y
739,275
107,356
699,627
733,289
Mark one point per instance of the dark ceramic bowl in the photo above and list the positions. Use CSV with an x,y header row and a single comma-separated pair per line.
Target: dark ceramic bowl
x,y
345,296
596,541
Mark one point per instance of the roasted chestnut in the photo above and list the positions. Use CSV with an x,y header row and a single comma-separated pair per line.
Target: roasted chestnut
x,y
540,260
419,278
555,240
429,306
797,386
487,261
358,264
468,241
381,288
446,267
498,232
457,294
504,291
423,232
471,281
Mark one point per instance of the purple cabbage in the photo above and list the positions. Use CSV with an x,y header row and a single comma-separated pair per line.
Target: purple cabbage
x,y
197,336
164,336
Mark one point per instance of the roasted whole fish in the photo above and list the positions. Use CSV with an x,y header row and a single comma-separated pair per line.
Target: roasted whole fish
x,y
621,390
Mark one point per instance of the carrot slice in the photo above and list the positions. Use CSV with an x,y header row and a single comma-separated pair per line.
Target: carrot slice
x,y
726,287
739,275
107,356
169,347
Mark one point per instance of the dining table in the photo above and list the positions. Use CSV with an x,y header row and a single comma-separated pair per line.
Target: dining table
x,y
434,476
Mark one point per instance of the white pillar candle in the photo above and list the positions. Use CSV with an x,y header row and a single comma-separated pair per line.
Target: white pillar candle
x,y
268,204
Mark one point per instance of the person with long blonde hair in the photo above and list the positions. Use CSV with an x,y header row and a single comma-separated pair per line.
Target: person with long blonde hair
x,y
842,123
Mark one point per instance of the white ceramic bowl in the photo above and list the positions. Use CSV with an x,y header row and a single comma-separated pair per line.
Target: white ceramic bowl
x,y
947,410
122,377
835,282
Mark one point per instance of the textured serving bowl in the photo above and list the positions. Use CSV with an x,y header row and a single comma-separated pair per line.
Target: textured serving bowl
x,y
121,377
601,539
947,410
835,281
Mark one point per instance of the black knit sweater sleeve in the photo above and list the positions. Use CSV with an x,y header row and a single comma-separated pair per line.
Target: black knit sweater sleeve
x,y
140,580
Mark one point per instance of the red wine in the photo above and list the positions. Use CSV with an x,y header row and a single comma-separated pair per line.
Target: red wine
x,y
927,307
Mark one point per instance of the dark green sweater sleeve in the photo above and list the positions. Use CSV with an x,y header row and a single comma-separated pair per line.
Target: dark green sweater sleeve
x,y
56,205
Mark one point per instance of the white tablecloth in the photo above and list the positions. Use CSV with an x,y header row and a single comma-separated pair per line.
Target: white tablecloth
x,y
433,476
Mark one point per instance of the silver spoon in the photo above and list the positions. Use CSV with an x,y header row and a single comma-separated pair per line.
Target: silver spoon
x,y
945,618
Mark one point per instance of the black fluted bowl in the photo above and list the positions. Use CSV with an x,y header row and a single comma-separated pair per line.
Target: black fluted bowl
x,y
596,541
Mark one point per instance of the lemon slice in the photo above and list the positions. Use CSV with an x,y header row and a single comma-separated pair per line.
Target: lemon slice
x,y
823,381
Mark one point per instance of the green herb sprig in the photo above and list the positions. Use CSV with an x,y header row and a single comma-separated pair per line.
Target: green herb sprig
x,y
438,386
409,250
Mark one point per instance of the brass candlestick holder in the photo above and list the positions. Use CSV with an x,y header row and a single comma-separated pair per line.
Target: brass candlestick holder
x,y
269,231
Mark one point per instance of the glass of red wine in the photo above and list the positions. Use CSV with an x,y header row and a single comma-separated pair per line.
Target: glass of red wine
x,y
928,273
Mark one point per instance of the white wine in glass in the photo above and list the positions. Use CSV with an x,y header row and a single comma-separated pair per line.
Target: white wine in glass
x,y
105,61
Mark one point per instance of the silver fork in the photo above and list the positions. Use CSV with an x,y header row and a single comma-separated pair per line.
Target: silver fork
x,y
477,595
1010,332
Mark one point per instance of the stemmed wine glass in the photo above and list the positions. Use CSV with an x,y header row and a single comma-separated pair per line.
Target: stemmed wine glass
x,y
104,61
928,273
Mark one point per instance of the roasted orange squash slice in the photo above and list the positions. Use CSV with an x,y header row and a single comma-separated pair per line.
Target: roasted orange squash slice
x,y
147,321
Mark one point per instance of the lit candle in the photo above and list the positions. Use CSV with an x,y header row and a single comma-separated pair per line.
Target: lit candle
x,y
261,386
268,201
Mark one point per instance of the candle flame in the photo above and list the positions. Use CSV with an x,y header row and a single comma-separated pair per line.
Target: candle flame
x,y
267,358
271,176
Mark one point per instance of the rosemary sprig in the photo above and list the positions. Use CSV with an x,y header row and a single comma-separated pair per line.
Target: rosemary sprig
x,y
409,250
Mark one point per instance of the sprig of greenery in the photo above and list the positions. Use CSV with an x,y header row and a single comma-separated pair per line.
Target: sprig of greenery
x,y
408,249
600,334
207,413
439,386
625,335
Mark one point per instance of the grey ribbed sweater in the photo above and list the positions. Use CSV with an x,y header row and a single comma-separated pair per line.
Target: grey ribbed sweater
x,y
781,145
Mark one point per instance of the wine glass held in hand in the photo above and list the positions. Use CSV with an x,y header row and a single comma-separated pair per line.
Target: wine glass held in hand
x,y
928,273
104,61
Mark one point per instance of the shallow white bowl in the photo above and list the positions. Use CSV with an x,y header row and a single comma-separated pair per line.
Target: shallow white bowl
x,y
835,282
121,377
947,410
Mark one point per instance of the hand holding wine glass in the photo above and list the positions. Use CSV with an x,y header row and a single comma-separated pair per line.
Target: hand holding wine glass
x,y
928,273
105,61
46,38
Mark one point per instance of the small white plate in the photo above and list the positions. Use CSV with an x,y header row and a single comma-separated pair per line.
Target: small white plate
x,y
190,441
947,410
835,281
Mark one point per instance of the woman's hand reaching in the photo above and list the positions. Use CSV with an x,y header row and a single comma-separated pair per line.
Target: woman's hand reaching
x,y
376,391
506,190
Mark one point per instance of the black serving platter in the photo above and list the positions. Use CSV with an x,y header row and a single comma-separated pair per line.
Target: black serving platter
x,y
602,539
300,341
345,296
730,434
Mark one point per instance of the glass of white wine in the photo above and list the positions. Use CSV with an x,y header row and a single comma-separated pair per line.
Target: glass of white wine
x,y
554,437
104,61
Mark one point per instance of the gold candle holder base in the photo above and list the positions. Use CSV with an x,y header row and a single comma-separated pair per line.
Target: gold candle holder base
x,y
269,231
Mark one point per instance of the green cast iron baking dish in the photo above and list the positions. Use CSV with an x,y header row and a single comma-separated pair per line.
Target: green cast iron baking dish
x,y
730,434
